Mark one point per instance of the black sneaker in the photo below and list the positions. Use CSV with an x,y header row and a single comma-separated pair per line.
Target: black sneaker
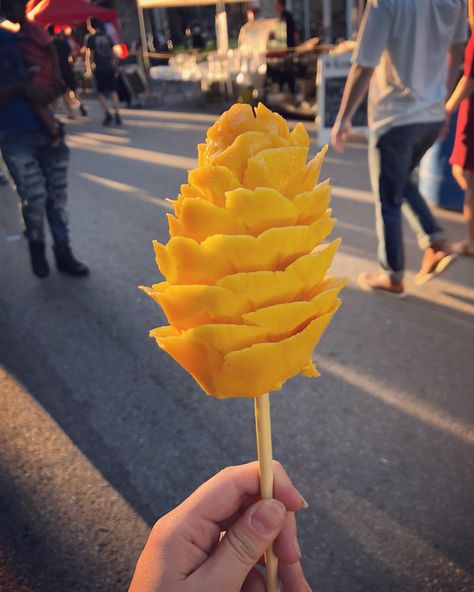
x,y
39,263
83,110
67,263
118,119
107,119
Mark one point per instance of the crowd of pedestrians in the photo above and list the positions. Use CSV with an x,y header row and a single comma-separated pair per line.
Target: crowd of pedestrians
x,y
408,56
36,69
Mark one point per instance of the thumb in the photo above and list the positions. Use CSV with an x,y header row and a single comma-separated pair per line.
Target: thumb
x,y
242,546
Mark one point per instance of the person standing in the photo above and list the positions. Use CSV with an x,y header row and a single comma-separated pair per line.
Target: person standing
x,y
462,157
65,60
287,18
38,168
402,53
101,60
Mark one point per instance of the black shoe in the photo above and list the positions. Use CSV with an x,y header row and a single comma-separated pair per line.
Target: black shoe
x,y
107,119
67,263
83,110
118,119
39,263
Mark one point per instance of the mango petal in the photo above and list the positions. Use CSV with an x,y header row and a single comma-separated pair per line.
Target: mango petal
x,y
201,350
312,204
235,121
310,370
184,261
211,182
261,209
235,157
188,306
313,168
199,219
299,136
297,280
269,168
272,122
265,367
281,320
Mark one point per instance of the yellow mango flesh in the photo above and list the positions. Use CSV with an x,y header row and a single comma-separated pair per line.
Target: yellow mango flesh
x,y
246,291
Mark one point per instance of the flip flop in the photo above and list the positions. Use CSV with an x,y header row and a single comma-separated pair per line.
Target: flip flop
x,y
441,265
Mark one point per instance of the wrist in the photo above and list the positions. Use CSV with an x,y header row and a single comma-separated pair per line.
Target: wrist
x,y
342,122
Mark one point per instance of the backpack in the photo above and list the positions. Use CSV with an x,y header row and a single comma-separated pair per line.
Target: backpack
x,y
103,53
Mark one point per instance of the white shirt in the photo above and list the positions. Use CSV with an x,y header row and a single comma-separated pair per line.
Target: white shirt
x,y
407,41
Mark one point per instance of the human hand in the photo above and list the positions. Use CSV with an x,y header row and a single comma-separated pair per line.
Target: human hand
x,y
340,134
186,553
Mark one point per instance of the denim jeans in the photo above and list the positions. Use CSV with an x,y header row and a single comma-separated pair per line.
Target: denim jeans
x,y
40,175
392,160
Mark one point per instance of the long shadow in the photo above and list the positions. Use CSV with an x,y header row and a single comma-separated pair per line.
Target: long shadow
x,y
153,436
44,558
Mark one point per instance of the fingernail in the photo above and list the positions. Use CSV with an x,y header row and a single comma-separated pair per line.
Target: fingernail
x,y
303,501
297,546
267,516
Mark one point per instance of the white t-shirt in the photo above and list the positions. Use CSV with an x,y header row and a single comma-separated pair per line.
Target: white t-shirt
x,y
407,41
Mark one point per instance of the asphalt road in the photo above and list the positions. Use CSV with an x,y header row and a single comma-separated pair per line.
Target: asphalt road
x,y
101,433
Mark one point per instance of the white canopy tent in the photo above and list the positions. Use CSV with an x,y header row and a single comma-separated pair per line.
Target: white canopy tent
x,y
221,18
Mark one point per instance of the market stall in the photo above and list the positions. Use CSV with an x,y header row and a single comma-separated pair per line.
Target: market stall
x,y
69,12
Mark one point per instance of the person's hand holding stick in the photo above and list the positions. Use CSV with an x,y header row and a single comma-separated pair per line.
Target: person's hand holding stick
x,y
213,541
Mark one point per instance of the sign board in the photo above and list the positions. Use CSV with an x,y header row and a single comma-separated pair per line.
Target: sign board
x,y
331,79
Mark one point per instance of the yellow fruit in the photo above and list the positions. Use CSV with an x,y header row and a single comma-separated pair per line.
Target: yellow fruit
x,y
246,291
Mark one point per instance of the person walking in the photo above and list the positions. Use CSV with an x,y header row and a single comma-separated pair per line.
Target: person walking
x,y
38,168
65,61
101,60
402,54
462,157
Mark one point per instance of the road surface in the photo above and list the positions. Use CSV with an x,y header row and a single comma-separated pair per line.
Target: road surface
x,y
101,433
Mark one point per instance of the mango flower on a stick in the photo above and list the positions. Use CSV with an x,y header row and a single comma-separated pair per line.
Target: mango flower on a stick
x,y
246,290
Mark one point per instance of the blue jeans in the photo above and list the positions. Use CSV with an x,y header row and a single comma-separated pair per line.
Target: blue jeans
x,y
392,160
40,175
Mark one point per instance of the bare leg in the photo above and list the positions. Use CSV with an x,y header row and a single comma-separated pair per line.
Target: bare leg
x,y
68,104
77,97
465,180
104,103
116,102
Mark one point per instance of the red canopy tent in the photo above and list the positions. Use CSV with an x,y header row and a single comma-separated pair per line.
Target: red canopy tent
x,y
69,12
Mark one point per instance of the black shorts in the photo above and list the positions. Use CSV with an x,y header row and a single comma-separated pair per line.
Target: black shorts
x,y
70,79
106,81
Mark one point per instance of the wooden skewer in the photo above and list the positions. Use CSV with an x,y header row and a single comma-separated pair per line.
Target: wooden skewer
x,y
264,449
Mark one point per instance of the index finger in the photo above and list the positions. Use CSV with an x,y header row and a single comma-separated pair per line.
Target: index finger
x,y
223,494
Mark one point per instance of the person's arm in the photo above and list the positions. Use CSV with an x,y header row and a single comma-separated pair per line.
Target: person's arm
x,y
88,62
33,93
455,59
372,40
463,90
355,90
